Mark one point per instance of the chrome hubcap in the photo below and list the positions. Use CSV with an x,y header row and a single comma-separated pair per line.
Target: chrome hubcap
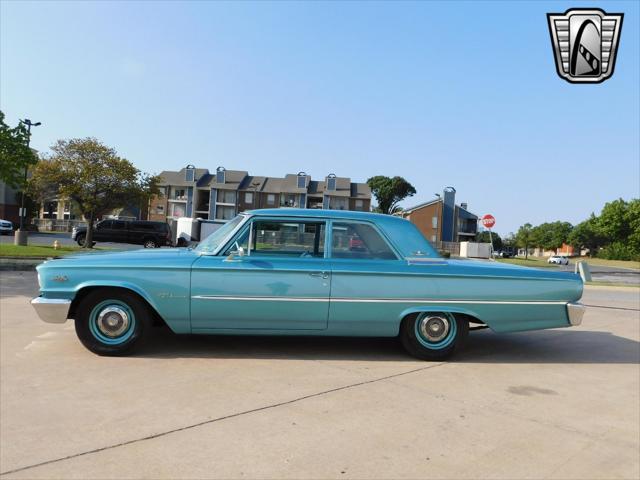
x,y
434,329
113,321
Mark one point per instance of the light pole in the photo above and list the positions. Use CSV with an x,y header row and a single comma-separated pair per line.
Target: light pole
x,y
437,217
21,235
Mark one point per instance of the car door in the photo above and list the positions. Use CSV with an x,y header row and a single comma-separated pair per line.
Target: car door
x,y
368,278
282,282
119,231
102,232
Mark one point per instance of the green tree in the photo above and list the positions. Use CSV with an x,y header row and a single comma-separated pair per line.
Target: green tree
x,y
613,221
551,235
15,155
524,238
92,175
389,192
484,237
586,235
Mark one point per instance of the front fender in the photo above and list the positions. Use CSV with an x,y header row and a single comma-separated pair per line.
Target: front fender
x,y
118,284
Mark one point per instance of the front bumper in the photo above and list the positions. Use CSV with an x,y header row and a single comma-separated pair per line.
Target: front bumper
x,y
51,310
575,311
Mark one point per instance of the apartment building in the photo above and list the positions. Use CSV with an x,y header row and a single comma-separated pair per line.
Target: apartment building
x,y
197,193
442,220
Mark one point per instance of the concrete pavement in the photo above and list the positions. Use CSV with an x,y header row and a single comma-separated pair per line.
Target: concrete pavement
x,y
550,404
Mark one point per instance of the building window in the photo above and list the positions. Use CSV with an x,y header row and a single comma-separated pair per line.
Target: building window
x,y
338,203
302,180
177,210
189,174
331,182
433,238
226,196
179,194
271,199
248,197
287,200
358,241
225,213
359,204
220,175
434,222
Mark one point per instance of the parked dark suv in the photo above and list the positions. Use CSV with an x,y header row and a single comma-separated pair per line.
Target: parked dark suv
x,y
149,234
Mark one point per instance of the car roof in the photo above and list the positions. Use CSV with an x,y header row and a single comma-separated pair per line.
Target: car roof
x,y
319,213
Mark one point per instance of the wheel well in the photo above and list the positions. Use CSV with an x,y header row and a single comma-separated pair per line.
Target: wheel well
x,y
462,316
82,293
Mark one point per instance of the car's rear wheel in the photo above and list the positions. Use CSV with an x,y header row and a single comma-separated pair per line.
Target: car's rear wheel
x,y
433,335
150,243
111,321
80,239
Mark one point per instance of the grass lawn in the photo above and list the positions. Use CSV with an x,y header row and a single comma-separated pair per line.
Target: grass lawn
x,y
542,262
608,263
37,251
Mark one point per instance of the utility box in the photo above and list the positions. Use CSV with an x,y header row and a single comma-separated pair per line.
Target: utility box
x,y
475,250
187,229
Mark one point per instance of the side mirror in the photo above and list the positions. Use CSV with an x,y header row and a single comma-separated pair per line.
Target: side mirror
x,y
239,251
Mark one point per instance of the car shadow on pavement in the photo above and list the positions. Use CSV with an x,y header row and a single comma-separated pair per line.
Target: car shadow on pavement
x,y
549,346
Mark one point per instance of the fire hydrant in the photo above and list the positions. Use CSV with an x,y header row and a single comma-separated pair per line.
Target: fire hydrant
x,y
56,244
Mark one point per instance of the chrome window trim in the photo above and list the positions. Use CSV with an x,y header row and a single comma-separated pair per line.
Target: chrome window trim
x,y
231,235
380,232
288,219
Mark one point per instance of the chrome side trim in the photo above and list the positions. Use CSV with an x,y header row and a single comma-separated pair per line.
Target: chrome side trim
x,y
263,299
51,310
575,312
370,300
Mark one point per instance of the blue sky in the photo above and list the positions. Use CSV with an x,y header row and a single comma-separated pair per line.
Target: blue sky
x,y
443,93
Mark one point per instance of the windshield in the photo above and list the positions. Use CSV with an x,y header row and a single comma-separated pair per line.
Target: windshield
x,y
213,241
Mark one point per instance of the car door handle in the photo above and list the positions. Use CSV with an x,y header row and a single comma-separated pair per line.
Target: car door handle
x,y
323,275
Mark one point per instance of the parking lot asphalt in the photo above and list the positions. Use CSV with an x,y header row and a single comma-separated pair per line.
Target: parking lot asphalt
x,y
559,403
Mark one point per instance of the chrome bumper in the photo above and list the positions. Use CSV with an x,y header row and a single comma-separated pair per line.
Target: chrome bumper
x,y
575,311
51,310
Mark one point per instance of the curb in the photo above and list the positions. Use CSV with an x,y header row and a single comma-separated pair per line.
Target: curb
x,y
26,265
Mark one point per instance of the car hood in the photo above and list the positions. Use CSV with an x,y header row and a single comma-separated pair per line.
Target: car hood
x,y
145,257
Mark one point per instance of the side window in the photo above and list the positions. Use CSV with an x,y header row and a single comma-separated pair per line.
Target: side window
x,y
359,241
118,225
282,238
104,225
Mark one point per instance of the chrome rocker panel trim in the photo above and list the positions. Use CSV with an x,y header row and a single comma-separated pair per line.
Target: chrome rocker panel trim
x,y
51,310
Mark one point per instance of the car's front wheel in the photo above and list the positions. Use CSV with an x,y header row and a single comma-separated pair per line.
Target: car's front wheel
x,y
80,239
433,335
111,321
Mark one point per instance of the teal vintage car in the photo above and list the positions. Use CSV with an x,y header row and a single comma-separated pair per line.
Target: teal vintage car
x,y
303,272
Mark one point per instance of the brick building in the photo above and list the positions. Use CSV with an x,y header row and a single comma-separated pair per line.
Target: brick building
x,y
441,220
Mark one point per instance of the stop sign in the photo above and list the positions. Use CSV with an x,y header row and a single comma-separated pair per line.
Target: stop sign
x,y
488,221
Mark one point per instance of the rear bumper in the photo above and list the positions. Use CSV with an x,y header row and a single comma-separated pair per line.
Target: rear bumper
x,y
575,311
51,310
